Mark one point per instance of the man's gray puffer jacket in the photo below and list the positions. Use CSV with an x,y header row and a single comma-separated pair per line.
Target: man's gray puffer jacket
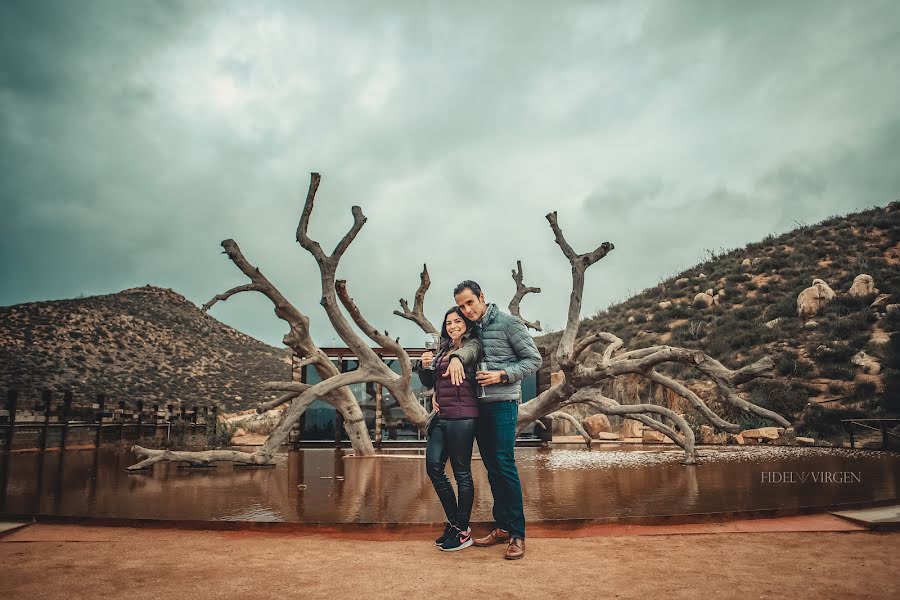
x,y
507,346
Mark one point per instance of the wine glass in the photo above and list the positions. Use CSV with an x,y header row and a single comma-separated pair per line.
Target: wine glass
x,y
431,344
482,367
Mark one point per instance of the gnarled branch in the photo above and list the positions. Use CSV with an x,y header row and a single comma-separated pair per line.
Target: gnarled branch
x,y
579,263
247,287
417,314
521,290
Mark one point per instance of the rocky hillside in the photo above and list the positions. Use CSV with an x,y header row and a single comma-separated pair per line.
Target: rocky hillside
x,y
831,339
145,343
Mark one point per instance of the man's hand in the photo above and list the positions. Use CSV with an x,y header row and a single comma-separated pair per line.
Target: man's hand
x,y
488,377
456,371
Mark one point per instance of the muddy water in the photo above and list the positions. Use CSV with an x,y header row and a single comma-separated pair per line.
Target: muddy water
x,y
327,486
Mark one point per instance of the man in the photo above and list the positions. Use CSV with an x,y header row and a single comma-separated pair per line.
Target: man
x,y
511,356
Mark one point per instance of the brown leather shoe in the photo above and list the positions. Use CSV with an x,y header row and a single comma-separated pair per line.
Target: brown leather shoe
x,y
515,550
496,536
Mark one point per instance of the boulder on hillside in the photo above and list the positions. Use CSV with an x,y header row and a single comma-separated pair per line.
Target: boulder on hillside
x,y
868,363
812,299
681,281
761,434
703,300
881,301
631,320
773,323
701,276
863,285
735,439
596,424
665,304
746,263
708,435
651,435
631,429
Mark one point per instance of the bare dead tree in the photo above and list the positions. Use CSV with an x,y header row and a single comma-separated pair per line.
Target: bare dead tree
x,y
299,340
581,381
580,384
333,385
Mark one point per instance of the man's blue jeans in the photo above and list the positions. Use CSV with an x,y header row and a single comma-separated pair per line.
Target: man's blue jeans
x,y
496,442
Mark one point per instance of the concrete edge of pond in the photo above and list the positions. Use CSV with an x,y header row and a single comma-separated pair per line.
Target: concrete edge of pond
x,y
544,528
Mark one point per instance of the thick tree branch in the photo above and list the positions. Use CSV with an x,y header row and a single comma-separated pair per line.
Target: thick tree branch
x,y
382,339
575,423
267,406
521,290
248,287
579,263
417,314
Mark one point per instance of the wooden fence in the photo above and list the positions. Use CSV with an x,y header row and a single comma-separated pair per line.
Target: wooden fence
x,y
58,421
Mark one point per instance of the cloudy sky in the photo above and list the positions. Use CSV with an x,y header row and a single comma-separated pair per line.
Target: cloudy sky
x,y
135,136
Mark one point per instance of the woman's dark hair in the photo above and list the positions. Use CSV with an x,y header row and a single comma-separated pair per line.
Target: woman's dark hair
x,y
445,337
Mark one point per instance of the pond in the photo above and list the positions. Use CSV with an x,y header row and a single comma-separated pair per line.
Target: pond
x,y
328,486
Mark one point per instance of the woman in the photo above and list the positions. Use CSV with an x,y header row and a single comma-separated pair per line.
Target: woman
x,y
451,431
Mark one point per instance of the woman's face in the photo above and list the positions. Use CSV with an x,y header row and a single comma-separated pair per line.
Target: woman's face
x,y
456,327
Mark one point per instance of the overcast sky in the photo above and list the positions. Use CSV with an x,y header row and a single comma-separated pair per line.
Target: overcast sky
x,y
135,136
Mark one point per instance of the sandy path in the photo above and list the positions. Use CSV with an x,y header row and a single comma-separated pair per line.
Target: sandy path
x,y
63,561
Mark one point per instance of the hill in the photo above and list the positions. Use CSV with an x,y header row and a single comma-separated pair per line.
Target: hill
x,y
145,343
752,310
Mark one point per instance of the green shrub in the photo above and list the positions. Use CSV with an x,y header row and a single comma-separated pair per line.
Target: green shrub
x,y
820,422
836,372
786,399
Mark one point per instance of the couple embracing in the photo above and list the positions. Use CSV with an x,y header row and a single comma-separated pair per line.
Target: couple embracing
x,y
476,373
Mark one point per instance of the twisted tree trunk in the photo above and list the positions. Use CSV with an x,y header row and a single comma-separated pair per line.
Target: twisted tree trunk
x,y
580,384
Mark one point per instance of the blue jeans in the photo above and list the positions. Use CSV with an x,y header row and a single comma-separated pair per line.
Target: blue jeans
x,y
453,439
496,442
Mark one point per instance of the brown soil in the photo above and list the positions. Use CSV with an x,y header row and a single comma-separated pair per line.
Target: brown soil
x,y
58,561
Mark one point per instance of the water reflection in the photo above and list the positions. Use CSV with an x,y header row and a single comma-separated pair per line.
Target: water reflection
x,y
326,486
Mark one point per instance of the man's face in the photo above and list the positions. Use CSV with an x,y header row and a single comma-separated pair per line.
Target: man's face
x,y
471,305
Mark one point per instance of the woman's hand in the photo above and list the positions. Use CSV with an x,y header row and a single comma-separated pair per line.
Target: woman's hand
x,y
456,371
427,358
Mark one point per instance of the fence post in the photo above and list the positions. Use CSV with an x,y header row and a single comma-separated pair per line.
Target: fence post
x,y
140,407
194,420
379,417
884,434
121,420
12,397
101,404
47,399
67,406
852,440
215,419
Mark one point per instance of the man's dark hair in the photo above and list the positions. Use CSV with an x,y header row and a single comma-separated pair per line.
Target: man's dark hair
x,y
468,283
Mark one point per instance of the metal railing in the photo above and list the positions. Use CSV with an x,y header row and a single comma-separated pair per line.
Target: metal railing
x,y
850,424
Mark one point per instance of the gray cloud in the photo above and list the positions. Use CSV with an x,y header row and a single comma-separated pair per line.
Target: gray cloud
x,y
137,136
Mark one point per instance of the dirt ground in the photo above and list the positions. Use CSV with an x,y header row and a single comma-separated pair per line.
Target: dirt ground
x,y
70,561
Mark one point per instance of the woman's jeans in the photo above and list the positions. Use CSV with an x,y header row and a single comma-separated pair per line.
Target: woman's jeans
x,y
497,443
453,439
